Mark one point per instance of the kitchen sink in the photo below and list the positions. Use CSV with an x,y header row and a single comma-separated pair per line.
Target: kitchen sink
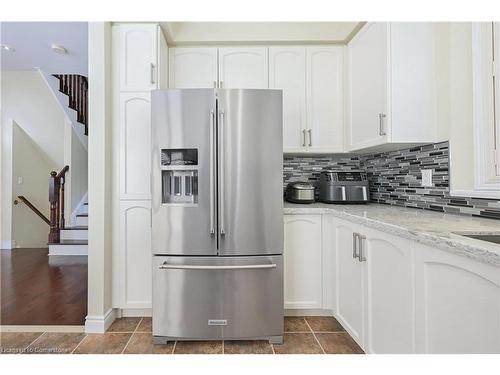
x,y
493,238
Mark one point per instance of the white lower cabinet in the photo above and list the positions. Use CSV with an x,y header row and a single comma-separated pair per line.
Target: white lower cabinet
x,y
348,281
458,303
374,283
389,293
135,254
303,260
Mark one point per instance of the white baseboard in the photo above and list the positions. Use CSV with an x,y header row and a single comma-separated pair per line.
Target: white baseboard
x,y
308,312
68,250
99,323
42,328
7,244
136,312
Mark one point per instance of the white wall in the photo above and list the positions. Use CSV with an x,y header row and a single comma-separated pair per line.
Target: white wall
x,y
30,173
27,99
461,125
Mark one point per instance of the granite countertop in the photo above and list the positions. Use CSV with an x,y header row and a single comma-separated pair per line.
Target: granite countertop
x,y
427,227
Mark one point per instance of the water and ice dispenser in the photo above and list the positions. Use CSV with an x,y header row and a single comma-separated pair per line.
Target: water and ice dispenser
x,y
179,176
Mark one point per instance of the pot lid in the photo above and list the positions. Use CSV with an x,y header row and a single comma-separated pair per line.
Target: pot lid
x,y
302,185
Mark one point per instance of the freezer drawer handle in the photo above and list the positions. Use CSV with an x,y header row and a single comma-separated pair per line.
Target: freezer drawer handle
x,y
166,266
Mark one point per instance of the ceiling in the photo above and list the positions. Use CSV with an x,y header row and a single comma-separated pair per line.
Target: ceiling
x,y
32,43
192,33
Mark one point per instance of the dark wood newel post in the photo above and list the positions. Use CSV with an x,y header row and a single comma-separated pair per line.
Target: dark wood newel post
x,y
53,199
63,179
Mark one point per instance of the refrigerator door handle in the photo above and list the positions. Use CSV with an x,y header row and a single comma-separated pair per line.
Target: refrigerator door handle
x,y
166,266
212,173
221,174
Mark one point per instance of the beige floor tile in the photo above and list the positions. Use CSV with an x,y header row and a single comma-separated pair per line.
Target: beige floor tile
x,y
146,325
108,343
247,347
298,343
16,342
124,325
142,343
198,347
55,343
324,324
338,343
296,324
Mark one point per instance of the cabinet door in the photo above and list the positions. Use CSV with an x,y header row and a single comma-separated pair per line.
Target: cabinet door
x,y
349,281
287,71
458,303
389,294
138,57
135,254
302,257
135,145
325,120
243,68
368,91
193,67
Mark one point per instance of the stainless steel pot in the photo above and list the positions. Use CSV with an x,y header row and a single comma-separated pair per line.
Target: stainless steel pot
x,y
300,192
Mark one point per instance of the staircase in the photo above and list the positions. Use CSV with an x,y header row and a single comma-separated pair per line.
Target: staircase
x,y
73,240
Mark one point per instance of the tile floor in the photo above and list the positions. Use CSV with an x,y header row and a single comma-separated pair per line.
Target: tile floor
x,y
303,335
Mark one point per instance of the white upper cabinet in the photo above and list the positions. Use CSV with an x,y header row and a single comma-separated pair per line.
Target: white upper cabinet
x,y
193,67
311,80
324,72
367,77
243,68
392,85
287,68
302,258
138,48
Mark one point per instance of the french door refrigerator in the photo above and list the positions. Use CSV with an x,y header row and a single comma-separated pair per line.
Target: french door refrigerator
x,y
217,214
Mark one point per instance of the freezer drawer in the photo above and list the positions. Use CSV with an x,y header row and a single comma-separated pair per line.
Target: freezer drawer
x,y
217,297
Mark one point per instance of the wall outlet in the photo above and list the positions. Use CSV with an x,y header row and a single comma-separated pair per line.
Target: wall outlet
x,y
20,180
426,177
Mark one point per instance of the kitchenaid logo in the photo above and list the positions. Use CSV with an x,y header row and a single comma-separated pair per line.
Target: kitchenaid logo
x,y
217,322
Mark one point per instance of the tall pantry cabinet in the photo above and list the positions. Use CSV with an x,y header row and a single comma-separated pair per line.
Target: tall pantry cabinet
x,y
139,65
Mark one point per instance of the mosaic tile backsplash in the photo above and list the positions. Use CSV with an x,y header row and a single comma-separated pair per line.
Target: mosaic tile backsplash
x,y
395,178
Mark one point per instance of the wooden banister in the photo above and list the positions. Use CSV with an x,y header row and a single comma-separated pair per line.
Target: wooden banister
x,y
25,200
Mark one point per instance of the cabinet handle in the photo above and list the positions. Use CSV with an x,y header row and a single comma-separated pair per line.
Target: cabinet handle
x,y
215,84
381,120
304,138
152,73
361,255
354,245
221,83
310,137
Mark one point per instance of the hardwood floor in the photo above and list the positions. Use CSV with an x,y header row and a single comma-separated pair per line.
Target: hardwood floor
x,y
38,290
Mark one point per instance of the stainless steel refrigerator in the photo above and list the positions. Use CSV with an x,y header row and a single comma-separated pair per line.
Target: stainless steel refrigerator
x,y
217,214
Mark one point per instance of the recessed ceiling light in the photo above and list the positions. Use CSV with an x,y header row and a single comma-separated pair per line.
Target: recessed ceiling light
x,y
8,48
57,48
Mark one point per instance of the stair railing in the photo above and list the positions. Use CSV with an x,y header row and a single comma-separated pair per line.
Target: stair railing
x,y
76,87
23,199
56,200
